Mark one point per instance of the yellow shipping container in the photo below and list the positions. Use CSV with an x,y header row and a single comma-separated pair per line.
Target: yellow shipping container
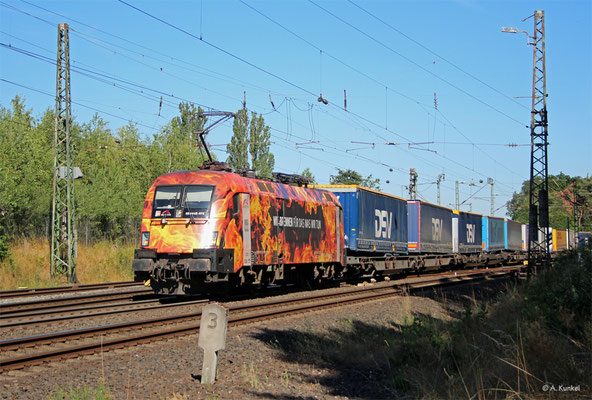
x,y
559,239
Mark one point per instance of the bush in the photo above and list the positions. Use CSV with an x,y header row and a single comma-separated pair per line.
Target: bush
x,y
4,240
535,334
4,246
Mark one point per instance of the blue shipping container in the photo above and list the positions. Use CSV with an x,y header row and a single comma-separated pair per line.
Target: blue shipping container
x,y
466,232
430,227
493,234
372,221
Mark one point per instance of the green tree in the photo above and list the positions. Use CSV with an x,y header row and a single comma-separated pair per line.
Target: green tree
x,y
262,160
307,174
118,169
4,239
25,170
180,148
351,177
250,140
570,199
238,154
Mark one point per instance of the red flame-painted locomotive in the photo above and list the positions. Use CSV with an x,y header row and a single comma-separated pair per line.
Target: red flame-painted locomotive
x,y
214,226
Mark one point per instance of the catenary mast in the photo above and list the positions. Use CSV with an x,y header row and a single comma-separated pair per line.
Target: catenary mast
x,y
63,221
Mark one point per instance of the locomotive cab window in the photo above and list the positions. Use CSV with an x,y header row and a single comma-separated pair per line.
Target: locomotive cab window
x,y
167,200
182,201
197,201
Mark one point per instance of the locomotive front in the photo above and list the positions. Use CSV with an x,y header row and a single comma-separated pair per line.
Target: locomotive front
x,y
184,221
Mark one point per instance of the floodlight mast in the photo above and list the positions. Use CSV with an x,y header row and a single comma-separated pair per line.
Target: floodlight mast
x,y
516,30
539,183
538,250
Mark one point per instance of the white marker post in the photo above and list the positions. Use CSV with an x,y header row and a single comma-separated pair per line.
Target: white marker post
x,y
212,337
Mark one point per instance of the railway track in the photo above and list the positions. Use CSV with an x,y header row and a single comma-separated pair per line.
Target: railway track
x,y
87,312
28,351
8,294
87,307
24,314
44,304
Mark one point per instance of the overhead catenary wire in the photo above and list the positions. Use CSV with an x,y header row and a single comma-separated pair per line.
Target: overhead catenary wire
x,y
74,62
107,76
468,198
75,102
258,68
321,51
147,126
310,107
98,75
158,69
417,64
167,59
241,59
437,55
340,61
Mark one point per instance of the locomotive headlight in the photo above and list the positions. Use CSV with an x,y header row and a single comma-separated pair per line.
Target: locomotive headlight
x,y
214,238
145,239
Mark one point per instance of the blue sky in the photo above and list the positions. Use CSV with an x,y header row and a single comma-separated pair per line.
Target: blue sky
x,y
393,58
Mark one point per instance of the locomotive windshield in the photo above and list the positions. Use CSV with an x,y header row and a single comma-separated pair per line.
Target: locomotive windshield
x,y
182,201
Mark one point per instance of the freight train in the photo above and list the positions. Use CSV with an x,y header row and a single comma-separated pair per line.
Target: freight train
x,y
212,227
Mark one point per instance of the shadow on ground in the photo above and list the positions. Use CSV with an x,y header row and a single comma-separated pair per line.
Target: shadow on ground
x,y
356,353
382,361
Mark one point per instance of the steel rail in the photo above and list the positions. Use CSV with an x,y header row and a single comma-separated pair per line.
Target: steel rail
x,y
7,294
12,344
278,308
66,312
133,307
49,304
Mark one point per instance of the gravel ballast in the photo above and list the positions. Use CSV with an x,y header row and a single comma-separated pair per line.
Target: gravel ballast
x,y
255,364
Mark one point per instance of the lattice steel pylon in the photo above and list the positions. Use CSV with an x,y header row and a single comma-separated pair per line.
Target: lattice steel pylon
x,y
538,250
63,221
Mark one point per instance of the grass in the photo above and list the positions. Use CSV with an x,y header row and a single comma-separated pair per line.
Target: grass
x,y
250,376
84,392
535,334
285,378
28,264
